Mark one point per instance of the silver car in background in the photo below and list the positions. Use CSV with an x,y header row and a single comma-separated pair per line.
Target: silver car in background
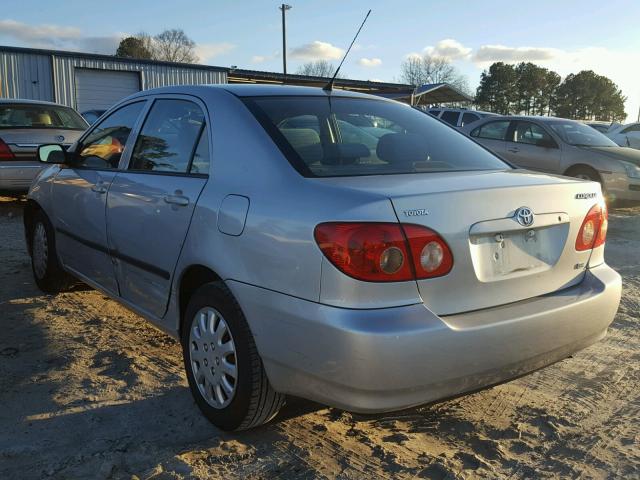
x,y
564,147
26,124
330,245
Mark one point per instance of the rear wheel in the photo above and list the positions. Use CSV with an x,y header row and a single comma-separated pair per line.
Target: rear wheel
x,y
47,271
224,370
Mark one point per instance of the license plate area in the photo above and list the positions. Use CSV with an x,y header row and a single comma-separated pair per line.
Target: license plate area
x,y
509,254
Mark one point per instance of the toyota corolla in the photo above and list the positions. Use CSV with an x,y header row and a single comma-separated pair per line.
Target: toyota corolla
x,y
293,251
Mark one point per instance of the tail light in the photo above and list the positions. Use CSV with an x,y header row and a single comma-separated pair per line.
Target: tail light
x,y
384,252
5,152
593,231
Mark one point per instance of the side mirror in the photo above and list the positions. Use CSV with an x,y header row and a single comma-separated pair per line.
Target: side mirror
x,y
546,143
53,153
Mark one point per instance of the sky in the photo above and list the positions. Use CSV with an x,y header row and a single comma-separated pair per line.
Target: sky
x,y
566,36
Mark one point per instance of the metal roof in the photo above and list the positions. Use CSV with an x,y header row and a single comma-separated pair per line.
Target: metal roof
x,y
440,93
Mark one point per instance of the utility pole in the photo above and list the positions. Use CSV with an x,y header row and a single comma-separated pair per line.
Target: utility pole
x,y
284,7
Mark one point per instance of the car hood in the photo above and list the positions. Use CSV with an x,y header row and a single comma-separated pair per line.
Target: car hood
x,y
625,154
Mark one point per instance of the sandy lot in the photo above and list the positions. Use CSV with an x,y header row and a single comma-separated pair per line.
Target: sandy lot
x,y
90,390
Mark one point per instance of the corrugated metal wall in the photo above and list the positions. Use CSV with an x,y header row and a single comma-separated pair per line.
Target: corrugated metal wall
x,y
25,75
151,75
49,76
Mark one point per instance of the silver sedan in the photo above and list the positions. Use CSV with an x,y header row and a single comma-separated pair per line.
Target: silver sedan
x,y
330,245
565,147
25,124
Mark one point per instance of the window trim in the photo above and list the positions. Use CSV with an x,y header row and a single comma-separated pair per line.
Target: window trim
x,y
151,100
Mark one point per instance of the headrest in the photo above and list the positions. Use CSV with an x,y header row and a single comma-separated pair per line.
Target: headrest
x,y
402,148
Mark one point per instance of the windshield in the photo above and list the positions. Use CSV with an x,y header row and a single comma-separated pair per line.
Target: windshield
x,y
342,136
580,135
40,116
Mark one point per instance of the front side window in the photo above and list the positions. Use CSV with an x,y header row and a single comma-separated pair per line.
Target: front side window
x,y
468,118
343,136
40,116
103,147
168,137
450,117
632,128
492,131
532,134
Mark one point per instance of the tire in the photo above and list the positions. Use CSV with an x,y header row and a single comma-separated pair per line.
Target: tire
x,y
585,173
47,271
212,357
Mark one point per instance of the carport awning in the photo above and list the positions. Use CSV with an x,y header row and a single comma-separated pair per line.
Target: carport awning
x,y
431,93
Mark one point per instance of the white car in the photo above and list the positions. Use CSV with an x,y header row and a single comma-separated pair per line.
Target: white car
x,y
626,135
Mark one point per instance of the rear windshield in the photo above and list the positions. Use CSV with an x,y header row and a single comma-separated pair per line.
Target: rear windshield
x,y
340,136
40,116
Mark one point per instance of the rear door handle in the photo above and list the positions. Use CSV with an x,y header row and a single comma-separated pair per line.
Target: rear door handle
x,y
179,200
99,188
514,149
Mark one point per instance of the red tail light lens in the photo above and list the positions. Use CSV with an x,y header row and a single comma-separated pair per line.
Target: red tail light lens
x,y
5,151
593,231
384,252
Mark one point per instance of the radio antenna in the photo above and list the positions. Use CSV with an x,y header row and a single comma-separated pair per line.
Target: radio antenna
x,y
329,86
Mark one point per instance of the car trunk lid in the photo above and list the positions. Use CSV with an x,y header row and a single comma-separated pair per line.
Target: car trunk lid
x,y
497,260
24,142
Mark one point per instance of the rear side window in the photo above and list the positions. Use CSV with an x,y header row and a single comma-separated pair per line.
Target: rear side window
x,y
632,128
492,130
40,116
168,137
435,113
450,117
344,136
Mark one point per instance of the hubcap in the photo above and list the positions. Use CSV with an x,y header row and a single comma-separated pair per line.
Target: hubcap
x,y
40,250
212,356
583,176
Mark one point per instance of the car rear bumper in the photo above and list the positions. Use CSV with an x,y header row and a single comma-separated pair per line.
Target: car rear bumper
x,y
18,175
387,359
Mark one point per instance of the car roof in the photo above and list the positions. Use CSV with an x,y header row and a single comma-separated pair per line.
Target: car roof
x,y
22,101
255,90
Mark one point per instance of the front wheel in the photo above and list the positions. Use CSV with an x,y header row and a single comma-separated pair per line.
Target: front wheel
x,y
47,271
224,370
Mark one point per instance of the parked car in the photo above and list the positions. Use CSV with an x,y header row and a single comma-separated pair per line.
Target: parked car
x,y
565,147
92,115
602,127
25,124
458,117
290,260
626,135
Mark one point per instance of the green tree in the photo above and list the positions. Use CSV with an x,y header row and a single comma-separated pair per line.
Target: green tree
x,y
497,91
135,47
589,96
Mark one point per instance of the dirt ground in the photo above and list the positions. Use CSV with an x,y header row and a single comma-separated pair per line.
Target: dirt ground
x,y
90,390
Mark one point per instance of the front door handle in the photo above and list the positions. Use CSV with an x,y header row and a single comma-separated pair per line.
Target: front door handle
x,y
179,200
99,188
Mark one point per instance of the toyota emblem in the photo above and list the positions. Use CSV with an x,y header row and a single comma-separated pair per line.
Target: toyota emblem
x,y
524,216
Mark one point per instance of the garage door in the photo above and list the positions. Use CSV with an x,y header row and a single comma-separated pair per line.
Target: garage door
x,y
100,89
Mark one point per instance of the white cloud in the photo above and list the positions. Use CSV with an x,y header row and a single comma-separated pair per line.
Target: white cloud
x,y
258,59
501,53
208,51
449,49
317,50
57,37
370,62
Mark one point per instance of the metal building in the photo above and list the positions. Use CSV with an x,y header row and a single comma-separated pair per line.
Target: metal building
x,y
88,81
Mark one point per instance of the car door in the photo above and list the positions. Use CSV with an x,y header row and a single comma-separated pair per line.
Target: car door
x,y
80,194
492,135
530,146
150,203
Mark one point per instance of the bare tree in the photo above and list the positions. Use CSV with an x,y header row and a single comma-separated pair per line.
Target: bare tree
x,y
319,68
174,46
427,69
